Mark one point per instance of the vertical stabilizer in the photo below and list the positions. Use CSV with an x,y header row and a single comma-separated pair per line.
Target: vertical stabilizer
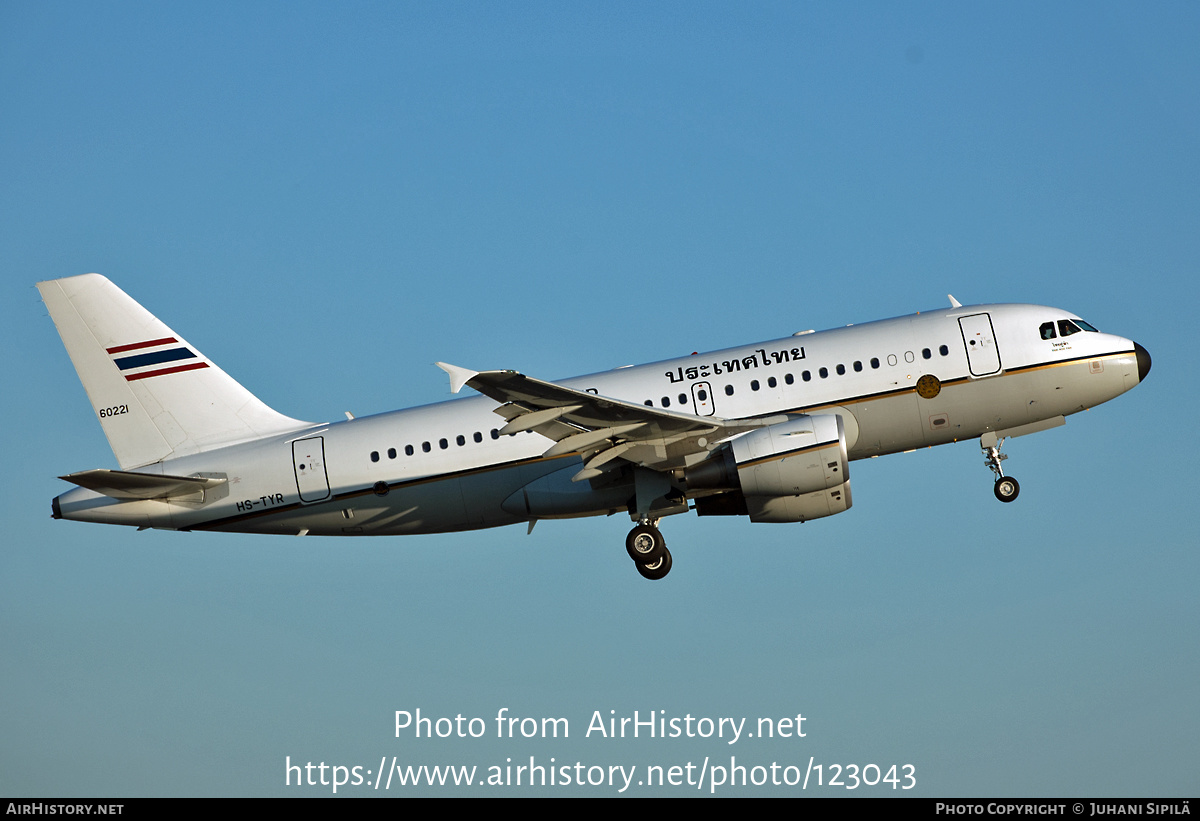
x,y
156,396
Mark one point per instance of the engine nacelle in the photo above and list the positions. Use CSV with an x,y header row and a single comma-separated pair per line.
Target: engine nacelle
x,y
799,508
789,472
802,455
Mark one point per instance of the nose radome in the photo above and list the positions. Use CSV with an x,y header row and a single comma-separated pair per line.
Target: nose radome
x,y
1143,360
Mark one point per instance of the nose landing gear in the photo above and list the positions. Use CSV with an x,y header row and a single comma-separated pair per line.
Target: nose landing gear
x,y
648,549
1006,487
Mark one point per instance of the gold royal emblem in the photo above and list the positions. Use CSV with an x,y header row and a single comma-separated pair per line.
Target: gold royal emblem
x,y
928,386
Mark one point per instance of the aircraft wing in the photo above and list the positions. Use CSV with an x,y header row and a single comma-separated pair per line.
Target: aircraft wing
x,y
601,428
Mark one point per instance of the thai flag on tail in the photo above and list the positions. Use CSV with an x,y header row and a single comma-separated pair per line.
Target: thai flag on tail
x,y
151,356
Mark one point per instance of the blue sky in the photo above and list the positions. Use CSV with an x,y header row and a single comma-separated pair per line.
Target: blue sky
x,y
326,199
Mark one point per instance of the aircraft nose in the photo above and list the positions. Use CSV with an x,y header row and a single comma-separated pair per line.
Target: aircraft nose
x,y
1143,359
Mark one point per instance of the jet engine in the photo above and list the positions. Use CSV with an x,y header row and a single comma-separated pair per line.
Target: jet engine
x,y
788,472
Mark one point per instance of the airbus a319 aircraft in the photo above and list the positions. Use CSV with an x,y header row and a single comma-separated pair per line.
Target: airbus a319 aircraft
x,y
766,431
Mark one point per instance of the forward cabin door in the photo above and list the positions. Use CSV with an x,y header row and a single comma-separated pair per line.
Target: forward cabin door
x,y
983,357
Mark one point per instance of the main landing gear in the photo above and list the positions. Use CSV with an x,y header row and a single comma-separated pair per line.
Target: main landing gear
x,y
648,549
1006,487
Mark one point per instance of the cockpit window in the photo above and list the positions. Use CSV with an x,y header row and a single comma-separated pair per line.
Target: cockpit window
x,y
1066,327
1086,326
1047,330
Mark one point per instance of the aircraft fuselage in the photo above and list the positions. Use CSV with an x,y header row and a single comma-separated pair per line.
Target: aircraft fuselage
x,y
897,384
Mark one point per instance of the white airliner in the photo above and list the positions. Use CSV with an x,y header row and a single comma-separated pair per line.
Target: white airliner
x,y
766,431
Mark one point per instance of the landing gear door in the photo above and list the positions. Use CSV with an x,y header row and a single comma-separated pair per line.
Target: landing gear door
x,y
983,357
308,460
702,397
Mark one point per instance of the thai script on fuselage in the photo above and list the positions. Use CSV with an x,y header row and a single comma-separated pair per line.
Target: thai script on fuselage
x,y
759,359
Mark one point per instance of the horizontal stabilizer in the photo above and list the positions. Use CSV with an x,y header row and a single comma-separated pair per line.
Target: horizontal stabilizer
x,y
124,484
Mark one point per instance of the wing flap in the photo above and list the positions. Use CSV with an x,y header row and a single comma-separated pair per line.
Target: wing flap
x,y
532,420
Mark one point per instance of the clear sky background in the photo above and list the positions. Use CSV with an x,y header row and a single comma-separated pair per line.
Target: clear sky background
x,y
328,198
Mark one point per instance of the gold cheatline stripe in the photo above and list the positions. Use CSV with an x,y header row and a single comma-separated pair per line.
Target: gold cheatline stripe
x,y
958,380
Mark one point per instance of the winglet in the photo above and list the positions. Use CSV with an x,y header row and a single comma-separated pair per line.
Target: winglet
x,y
458,376
954,303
